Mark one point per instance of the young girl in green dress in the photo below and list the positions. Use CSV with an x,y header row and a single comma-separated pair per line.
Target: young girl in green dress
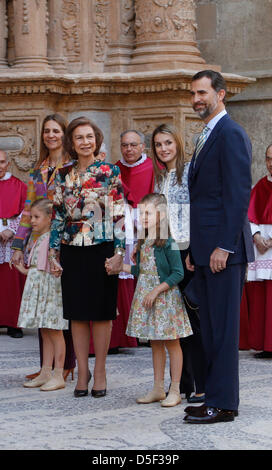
x,y
41,305
157,312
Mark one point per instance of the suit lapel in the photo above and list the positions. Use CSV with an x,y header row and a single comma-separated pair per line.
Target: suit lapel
x,y
204,151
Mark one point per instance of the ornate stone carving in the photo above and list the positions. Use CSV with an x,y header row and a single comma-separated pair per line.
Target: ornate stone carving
x,y
166,19
70,29
26,158
165,35
25,24
127,19
101,29
110,84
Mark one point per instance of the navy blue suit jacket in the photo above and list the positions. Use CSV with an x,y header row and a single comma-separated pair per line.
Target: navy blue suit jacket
x,y
220,186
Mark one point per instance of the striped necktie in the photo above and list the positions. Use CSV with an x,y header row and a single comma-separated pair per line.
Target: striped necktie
x,y
201,141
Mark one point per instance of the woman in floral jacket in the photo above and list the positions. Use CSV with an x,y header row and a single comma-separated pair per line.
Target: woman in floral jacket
x,y
87,228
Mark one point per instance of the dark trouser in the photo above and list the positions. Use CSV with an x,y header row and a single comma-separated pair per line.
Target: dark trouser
x,y
219,300
194,366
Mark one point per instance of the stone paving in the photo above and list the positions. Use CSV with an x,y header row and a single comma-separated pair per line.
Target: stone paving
x,y
35,420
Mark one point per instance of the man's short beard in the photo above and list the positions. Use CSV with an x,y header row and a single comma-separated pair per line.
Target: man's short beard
x,y
204,113
207,111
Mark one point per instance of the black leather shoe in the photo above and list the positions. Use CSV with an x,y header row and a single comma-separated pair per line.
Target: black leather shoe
x,y
82,393
195,399
99,393
15,332
263,355
198,410
210,415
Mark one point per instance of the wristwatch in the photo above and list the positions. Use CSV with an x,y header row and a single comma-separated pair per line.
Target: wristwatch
x,y
119,251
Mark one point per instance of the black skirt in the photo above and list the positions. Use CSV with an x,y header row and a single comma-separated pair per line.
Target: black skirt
x,y
88,292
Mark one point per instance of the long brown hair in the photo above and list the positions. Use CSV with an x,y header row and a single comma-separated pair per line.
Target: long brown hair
x,y
157,164
68,139
160,203
62,122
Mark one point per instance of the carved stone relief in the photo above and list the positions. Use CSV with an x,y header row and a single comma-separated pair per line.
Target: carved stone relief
x,y
102,11
127,19
165,19
70,29
26,131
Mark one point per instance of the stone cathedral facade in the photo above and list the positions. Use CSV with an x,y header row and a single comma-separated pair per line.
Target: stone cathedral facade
x,y
123,63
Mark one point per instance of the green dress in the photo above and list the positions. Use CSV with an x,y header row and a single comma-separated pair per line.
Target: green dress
x,y
167,319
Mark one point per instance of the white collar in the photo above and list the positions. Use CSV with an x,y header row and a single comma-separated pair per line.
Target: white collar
x,y
6,177
269,177
131,165
212,123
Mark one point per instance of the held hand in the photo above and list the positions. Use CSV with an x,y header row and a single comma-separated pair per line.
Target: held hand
x,y
114,264
150,299
108,266
133,255
218,260
6,235
261,243
55,268
20,268
189,266
17,257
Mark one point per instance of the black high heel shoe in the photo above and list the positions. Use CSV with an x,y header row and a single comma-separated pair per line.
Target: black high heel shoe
x,y
99,393
82,393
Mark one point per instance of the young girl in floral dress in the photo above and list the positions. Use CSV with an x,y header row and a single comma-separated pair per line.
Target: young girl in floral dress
x,y
41,305
158,313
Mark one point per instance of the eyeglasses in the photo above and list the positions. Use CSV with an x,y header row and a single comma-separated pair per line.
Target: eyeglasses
x,y
133,145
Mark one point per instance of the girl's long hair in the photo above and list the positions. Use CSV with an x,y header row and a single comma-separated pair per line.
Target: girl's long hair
x,y
160,203
61,121
160,167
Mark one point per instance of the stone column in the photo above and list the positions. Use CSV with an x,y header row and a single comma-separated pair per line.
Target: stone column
x,y
30,35
3,34
55,36
165,35
122,36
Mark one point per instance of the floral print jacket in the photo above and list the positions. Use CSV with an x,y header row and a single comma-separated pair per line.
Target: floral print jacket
x,y
88,209
38,187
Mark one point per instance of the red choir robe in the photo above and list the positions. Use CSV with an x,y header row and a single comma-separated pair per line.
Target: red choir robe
x,y
12,199
137,181
256,304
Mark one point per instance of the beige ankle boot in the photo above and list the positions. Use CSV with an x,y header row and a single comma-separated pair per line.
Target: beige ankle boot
x,y
41,379
156,394
173,397
56,381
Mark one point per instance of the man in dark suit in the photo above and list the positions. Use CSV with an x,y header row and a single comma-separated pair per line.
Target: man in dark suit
x,y
220,243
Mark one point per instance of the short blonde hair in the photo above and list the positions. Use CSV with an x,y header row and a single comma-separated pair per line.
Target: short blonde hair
x,y
44,205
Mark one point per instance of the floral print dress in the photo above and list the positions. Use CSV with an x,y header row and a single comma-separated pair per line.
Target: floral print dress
x,y
41,305
167,319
